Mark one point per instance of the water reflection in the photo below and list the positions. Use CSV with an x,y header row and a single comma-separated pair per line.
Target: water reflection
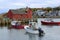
x,y
12,34
40,38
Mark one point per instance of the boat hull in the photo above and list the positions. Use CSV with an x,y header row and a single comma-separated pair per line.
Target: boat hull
x,y
50,23
27,28
16,27
31,31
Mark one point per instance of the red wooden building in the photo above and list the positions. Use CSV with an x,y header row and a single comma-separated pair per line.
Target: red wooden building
x,y
20,14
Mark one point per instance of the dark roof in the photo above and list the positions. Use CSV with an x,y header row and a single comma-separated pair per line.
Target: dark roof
x,y
19,11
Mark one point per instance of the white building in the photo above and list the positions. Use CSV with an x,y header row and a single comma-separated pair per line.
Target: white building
x,y
40,12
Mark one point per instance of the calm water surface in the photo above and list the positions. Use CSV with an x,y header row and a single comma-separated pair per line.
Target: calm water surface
x,y
51,32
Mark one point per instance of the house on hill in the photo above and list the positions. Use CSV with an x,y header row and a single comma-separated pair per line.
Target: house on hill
x,y
20,14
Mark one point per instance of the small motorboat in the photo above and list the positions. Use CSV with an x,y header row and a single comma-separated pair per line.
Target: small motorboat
x,y
32,29
50,22
16,25
28,30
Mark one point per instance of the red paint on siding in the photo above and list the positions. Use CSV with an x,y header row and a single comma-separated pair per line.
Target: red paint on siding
x,y
28,15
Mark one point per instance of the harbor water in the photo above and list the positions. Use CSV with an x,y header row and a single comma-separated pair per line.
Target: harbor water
x,y
52,32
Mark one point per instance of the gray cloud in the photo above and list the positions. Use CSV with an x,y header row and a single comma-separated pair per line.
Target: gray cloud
x,y
11,4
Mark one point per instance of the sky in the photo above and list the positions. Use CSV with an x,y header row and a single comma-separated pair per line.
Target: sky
x,y
5,5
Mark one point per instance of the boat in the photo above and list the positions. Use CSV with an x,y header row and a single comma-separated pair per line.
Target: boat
x,y
16,25
28,30
50,22
32,29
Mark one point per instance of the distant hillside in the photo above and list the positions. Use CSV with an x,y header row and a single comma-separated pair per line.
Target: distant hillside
x,y
3,15
34,9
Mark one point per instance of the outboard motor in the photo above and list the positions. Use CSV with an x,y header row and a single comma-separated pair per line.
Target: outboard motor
x,y
41,32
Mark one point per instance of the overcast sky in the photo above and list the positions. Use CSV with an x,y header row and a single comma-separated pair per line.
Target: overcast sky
x,y
5,5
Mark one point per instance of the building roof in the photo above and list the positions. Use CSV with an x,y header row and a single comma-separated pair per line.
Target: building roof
x,y
19,11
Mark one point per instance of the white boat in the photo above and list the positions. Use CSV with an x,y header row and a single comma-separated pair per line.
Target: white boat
x,y
14,22
29,30
17,25
33,28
